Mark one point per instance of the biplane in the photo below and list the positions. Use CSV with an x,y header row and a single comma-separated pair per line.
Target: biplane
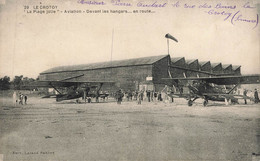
x,y
69,88
213,88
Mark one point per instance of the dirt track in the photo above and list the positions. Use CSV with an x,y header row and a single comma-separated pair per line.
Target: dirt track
x,y
45,130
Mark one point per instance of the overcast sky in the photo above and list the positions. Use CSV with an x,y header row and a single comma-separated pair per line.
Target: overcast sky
x,y
32,43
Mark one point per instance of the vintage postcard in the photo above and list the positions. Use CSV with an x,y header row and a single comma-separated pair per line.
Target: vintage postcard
x,y
129,80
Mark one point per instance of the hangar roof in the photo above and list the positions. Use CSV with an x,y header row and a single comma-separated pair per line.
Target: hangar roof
x,y
215,64
189,61
175,59
118,63
235,67
225,66
202,63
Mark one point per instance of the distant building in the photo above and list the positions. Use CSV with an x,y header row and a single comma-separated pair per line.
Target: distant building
x,y
131,74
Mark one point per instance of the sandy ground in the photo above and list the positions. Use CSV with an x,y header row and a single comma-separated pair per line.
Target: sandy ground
x,y
44,130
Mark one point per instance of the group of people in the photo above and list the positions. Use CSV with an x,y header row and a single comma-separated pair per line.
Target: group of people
x,y
19,98
255,97
145,95
163,95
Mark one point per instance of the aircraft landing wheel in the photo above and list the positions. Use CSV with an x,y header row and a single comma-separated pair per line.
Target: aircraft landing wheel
x,y
190,103
205,102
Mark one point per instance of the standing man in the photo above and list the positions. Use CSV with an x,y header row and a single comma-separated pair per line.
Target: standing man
x,y
245,95
21,99
119,96
152,94
135,95
155,96
148,94
128,95
160,97
256,96
97,96
139,97
25,99
84,96
142,95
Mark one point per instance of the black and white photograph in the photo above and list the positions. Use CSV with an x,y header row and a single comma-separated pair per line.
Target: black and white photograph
x,y
129,80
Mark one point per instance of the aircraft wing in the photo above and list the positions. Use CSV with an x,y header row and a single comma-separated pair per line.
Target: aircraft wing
x,y
55,83
224,80
50,84
65,82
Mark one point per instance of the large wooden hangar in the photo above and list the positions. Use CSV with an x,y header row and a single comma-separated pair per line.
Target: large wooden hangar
x,y
139,73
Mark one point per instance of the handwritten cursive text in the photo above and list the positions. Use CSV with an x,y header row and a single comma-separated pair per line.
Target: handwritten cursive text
x,y
91,2
154,4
